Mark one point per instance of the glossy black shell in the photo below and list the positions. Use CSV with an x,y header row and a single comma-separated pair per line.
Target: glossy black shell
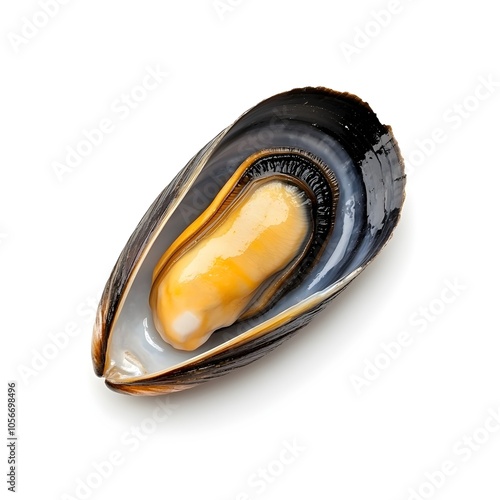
x,y
346,135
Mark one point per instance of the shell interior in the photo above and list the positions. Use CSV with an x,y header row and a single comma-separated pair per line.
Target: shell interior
x,y
337,129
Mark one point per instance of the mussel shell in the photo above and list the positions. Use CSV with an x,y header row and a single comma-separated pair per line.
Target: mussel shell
x,y
363,155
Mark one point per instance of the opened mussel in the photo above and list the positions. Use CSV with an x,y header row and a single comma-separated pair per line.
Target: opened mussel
x,y
261,229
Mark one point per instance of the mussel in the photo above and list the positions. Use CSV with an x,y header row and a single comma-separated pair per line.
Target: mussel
x,y
255,235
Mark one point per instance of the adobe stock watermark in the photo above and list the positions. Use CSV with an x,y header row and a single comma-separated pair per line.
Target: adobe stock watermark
x,y
57,341
223,7
463,449
365,33
418,322
121,108
129,442
453,118
260,480
32,25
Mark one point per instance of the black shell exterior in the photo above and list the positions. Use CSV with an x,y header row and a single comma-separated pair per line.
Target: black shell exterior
x,y
374,163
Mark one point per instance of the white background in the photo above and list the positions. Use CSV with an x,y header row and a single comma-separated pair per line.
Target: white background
x,y
60,238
